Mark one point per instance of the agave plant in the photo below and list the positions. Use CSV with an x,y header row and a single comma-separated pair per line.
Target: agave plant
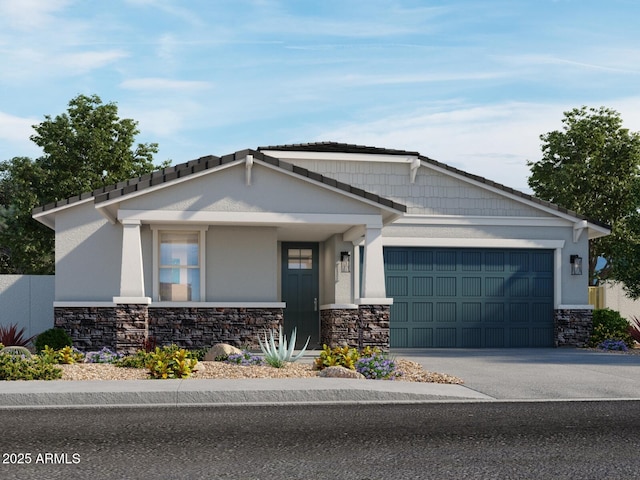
x,y
277,356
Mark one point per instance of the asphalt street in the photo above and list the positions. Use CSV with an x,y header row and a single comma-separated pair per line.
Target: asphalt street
x,y
512,440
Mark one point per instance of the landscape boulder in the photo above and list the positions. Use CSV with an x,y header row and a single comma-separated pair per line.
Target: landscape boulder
x,y
221,350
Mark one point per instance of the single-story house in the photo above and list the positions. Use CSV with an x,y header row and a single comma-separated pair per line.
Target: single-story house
x,y
346,243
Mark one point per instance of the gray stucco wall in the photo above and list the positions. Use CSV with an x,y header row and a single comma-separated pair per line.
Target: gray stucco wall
x,y
27,301
227,191
242,264
88,250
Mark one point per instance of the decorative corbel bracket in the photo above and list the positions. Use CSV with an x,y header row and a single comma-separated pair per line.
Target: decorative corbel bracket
x,y
415,164
578,228
248,162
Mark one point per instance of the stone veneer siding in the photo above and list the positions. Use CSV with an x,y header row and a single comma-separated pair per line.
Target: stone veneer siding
x,y
366,326
125,328
204,327
573,327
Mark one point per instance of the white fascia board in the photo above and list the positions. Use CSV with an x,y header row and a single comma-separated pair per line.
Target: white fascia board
x,y
162,185
248,218
332,189
418,219
472,242
341,157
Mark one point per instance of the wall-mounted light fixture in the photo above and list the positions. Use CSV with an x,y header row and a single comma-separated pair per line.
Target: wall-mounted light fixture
x,y
345,262
576,264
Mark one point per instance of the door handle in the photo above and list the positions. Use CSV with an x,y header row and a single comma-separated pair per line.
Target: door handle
x,y
315,304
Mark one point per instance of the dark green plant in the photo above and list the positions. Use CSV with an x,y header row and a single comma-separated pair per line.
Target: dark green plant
x,y
17,367
56,338
170,362
199,353
609,325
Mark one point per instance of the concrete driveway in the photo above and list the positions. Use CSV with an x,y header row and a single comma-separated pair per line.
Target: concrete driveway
x,y
536,374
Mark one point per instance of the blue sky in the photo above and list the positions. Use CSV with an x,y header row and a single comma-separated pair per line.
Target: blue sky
x,y
469,83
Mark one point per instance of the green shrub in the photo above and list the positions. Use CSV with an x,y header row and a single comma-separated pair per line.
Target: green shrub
x,y
199,353
170,362
138,360
56,338
609,325
17,367
67,355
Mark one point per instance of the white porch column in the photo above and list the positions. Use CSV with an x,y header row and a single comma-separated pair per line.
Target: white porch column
x,y
373,282
131,272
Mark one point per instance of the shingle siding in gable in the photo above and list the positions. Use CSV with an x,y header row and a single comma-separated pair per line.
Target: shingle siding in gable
x,y
433,193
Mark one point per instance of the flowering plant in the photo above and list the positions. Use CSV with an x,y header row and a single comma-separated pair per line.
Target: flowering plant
x,y
611,344
102,356
377,367
245,359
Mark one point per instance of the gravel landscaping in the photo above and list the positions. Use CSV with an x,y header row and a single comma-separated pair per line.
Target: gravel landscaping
x,y
412,372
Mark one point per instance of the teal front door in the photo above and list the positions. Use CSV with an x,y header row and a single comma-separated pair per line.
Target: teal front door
x,y
300,291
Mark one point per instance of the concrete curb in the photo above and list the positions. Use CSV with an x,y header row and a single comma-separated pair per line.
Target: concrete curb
x,y
58,393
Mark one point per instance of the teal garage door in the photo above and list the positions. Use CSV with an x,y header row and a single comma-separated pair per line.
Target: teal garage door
x,y
470,298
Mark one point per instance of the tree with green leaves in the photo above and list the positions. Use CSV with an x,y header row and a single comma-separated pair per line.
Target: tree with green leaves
x,y
592,167
85,149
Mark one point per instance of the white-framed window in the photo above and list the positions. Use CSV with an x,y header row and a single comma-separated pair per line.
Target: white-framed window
x,y
178,273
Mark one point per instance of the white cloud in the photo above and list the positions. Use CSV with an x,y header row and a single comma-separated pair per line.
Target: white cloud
x,y
30,14
14,136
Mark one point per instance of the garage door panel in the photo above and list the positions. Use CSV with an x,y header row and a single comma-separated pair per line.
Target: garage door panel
x,y
518,262
422,260
445,338
471,261
422,286
446,261
518,312
494,286
446,312
399,311
471,297
422,312
397,286
494,312
471,286
471,312
446,286
494,262
422,338
519,287
471,337
399,337
519,337
494,337
542,287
